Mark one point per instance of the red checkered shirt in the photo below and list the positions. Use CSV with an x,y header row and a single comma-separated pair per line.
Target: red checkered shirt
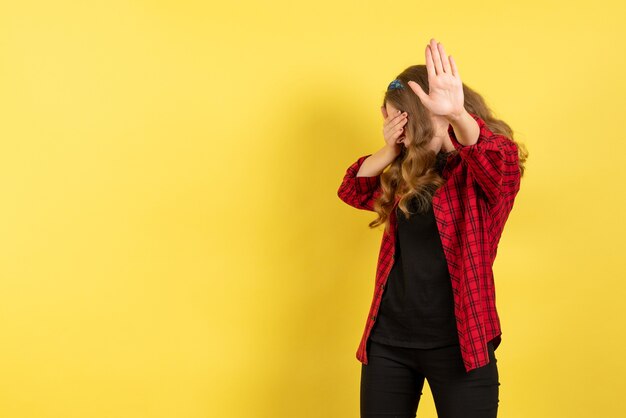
x,y
471,208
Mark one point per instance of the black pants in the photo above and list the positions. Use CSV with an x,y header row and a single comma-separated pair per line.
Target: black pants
x,y
392,382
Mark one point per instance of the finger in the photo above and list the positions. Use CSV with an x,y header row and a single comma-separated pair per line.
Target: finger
x,y
417,89
392,131
397,133
394,121
421,94
444,58
436,58
389,117
455,71
400,122
430,65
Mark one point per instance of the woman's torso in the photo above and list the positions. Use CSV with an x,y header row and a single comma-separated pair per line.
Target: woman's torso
x,y
417,307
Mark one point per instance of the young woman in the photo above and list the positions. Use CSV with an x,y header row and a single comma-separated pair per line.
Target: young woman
x,y
453,173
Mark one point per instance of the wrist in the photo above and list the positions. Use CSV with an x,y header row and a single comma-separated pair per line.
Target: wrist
x,y
392,150
455,117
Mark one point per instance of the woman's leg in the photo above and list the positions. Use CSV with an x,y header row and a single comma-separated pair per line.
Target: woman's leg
x,y
391,387
456,392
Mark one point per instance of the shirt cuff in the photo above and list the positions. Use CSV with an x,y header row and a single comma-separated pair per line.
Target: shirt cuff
x,y
364,184
484,133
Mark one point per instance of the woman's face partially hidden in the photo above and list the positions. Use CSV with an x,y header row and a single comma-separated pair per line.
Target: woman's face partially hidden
x,y
439,124
392,111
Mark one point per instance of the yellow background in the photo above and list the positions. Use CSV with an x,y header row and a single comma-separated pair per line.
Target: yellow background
x,y
172,241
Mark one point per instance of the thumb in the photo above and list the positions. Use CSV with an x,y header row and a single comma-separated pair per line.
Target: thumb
x,y
419,92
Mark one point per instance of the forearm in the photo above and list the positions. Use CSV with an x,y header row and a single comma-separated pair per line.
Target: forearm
x,y
376,163
466,129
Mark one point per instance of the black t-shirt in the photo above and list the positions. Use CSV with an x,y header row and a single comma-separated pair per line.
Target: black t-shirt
x,y
417,307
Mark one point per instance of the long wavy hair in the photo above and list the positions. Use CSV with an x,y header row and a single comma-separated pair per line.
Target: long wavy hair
x,y
413,175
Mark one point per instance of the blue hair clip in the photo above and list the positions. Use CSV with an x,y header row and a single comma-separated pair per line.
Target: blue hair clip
x,y
395,84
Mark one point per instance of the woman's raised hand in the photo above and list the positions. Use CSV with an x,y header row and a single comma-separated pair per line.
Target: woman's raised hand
x,y
445,89
393,128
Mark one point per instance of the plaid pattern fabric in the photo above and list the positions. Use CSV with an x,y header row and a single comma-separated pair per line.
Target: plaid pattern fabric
x,y
471,209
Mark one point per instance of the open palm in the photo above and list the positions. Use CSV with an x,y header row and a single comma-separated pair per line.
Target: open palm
x,y
445,95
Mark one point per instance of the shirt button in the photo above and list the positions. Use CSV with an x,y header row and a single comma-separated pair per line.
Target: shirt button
x,y
373,317
382,286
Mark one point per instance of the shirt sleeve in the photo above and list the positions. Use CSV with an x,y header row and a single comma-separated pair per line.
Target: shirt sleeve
x,y
359,192
489,160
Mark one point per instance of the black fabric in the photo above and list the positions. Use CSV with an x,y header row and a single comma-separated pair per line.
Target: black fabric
x,y
392,383
417,307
